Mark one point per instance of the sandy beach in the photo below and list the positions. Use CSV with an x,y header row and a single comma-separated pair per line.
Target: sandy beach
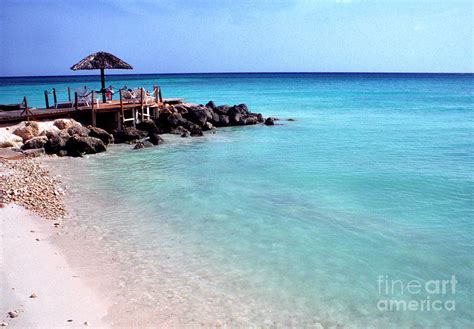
x,y
33,266
40,288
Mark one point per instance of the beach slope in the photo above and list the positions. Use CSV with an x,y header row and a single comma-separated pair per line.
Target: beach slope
x,y
37,283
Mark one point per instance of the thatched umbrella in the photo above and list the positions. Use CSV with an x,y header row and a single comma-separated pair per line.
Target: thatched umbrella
x,y
101,61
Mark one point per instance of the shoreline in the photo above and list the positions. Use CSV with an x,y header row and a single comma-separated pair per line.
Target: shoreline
x,y
42,270
42,287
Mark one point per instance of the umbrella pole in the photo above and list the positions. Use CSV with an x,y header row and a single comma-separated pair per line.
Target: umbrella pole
x,y
102,79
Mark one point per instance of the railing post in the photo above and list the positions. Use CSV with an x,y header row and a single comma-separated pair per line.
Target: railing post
x,y
76,101
161,98
142,92
93,110
155,92
46,99
55,98
26,111
121,122
69,93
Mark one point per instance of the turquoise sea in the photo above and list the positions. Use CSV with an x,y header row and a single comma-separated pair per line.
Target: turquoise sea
x,y
301,224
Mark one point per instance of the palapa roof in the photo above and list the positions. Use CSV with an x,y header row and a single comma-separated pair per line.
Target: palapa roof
x,y
101,60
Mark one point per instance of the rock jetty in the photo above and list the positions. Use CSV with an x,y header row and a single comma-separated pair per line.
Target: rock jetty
x,y
69,137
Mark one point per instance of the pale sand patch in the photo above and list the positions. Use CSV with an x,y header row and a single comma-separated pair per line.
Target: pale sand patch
x,y
29,266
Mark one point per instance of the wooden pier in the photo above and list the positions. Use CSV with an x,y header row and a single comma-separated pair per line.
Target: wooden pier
x,y
111,114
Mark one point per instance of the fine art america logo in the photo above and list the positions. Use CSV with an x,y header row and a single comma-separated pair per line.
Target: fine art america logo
x,y
416,295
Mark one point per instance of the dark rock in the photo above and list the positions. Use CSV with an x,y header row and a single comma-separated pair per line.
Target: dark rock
x,y
64,134
55,144
101,134
77,145
194,129
149,126
211,105
222,109
215,119
223,120
250,120
78,130
169,120
142,144
243,108
198,115
208,126
180,130
291,119
155,139
128,134
34,152
269,122
234,115
35,143
181,109
260,118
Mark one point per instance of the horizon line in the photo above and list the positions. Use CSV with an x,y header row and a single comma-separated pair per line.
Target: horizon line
x,y
236,73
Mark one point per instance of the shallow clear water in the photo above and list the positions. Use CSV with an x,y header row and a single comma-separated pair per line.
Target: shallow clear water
x,y
291,224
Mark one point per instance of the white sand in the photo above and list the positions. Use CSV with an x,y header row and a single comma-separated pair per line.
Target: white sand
x,y
30,266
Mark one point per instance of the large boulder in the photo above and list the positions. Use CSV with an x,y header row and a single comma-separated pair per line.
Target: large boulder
x,y
222,109
223,120
101,134
48,129
35,143
62,124
211,105
142,144
169,120
149,126
194,129
128,134
7,139
208,126
250,120
33,152
269,122
27,130
215,119
234,115
180,130
77,145
78,130
56,145
198,115
155,139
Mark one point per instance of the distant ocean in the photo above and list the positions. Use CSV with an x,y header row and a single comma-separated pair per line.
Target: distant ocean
x,y
297,224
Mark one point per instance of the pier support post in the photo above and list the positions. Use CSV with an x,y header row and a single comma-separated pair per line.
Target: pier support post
x,y
94,119
69,94
46,99
121,115
76,101
55,98
26,111
155,93
142,96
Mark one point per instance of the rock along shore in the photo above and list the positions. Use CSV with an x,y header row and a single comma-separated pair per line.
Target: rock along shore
x,y
67,137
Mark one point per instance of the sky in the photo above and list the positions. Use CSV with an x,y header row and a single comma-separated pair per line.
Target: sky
x,y
45,37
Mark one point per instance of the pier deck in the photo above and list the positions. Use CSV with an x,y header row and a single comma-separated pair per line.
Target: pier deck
x,y
8,117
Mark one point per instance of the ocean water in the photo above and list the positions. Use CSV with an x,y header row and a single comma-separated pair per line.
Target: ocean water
x,y
302,224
